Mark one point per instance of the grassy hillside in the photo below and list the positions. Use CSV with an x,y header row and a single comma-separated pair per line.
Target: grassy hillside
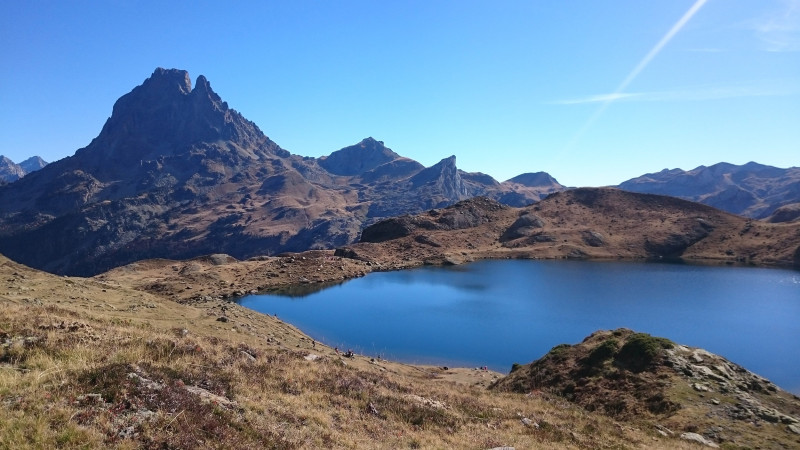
x,y
92,364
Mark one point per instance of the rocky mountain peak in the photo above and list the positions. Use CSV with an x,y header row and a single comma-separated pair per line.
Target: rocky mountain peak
x,y
202,92
535,179
32,164
11,171
445,177
359,158
165,117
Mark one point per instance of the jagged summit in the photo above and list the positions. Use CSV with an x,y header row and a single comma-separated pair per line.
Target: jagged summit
x,y
444,176
165,117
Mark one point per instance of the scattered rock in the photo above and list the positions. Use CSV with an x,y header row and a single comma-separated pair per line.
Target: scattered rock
x,y
700,387
222,319
694,437
529,423
210,397
593,239
372,409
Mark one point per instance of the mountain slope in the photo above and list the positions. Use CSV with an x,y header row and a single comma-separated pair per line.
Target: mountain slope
x,y
175,172
579,223
752,190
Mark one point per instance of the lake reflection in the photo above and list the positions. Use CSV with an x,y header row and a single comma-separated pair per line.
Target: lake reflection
x,y
496,313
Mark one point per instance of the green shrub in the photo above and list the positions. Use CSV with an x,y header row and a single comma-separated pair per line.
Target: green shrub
x,y
559,352
603,352
641,350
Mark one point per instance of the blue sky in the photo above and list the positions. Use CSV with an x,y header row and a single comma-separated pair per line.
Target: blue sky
x,y
593,92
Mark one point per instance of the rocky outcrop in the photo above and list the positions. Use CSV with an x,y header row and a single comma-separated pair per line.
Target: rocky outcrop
x,y
786,213
443,177
466,214
526,225
631,375
675,244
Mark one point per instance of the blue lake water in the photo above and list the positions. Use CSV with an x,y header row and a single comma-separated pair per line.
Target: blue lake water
x,y
495,313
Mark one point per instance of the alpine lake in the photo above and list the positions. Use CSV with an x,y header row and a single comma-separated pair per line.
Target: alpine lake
x,y
499,312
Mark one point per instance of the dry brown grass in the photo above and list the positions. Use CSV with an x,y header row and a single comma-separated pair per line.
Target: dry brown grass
x,y
98,371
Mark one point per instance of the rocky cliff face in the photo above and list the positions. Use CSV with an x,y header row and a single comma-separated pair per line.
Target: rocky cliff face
x,y
176,173
752,190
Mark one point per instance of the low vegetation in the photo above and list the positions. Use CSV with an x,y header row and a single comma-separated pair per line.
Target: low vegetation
x,y
89,365
653,382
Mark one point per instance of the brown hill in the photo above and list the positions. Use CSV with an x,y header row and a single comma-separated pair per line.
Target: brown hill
x,y
177,173
580,223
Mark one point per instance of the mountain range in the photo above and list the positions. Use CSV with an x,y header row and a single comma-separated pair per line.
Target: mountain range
x,y
751,190
11,171
176,173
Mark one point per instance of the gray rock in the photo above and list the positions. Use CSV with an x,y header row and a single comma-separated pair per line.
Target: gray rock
x,y
694,437
593,239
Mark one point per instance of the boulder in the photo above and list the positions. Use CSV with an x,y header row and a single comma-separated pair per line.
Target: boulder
x,y
694,437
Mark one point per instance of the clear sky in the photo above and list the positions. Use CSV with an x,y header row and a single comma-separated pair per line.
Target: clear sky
x,y
593,92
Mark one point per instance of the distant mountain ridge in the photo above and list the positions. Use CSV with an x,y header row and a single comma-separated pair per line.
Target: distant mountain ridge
x,y
10,171
751,190
176,173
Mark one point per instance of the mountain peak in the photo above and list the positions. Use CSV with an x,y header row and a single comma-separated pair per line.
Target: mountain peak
x,y
11,171
33,164
359,158
370,142
536,179
164,116
169,79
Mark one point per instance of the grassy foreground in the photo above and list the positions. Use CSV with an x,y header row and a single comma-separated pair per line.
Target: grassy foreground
x,y
86,364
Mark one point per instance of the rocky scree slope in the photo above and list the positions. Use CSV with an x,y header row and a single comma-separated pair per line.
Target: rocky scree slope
x,y
175,172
